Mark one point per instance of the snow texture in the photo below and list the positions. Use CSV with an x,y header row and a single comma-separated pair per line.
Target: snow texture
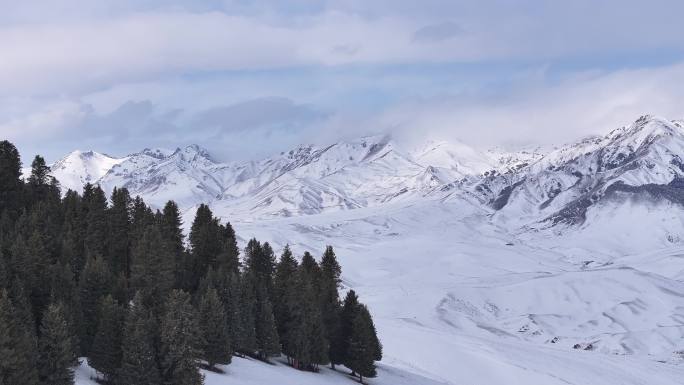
x,y
479,267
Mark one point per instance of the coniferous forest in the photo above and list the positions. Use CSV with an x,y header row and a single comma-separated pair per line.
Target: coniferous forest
x,y
110,280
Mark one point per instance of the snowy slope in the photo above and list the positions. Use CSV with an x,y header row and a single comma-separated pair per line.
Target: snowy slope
x,y
479,267
644,157
459,299
78,168
245,371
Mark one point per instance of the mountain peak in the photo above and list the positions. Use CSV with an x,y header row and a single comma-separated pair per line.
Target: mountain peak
x,y
81,167
193,152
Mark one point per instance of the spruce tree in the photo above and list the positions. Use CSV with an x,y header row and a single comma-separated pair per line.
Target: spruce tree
x,y
205,245
37,273
180,342
73,231
94,285
4,271
96,235
245,341
63,291
312,270
363,347
40,172
40,181
214,329
309,346
119,219
330,304
347,315
228,258
10,183
19,263
285,286
17,352
172,234
267,342
260,264
56,354
141,218
22,306
229,290
106,352
139,360
152,272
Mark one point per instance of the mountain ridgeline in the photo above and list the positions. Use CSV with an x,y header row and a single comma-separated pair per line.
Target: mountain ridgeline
x,y
84,274
521,189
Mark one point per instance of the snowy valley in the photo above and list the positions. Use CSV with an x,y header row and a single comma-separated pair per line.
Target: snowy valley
x,y
480,267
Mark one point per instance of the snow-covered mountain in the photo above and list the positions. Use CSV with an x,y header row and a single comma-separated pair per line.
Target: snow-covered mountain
x,y
642,159
303,181
481,267
526,188
79,168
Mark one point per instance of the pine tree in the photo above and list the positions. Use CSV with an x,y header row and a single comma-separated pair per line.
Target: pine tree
x,y
63,291
73,230
152,272
260,264
310,267
10,182
214,329
56,354
285,286
139,363
38,263
4,271
307,338
119,219
266,271
362,345
22,306
245,341
173,236
267,342
94,285
141,219
17,353
106,353
205,245
228,287
96,223
228,259
40,172
349,311
330,303
180,342
40,183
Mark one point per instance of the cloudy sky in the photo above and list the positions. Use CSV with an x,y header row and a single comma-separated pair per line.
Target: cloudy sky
x,y
247,78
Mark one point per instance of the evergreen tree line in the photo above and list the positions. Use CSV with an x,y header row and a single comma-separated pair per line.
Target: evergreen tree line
x,y
112,280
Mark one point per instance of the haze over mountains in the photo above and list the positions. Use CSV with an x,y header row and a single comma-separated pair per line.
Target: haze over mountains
x,y
554,268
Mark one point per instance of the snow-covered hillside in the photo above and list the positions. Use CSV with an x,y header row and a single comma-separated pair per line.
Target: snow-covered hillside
x,y
480,267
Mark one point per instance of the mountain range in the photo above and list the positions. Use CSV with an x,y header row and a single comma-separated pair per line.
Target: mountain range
x,y
549,267
535,188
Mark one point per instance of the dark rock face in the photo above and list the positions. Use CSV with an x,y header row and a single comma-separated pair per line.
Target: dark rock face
x,y
505,195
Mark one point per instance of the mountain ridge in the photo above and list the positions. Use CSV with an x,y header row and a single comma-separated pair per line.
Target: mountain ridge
x,y
534,188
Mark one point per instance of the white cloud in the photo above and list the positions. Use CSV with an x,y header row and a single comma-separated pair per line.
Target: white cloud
x,y
69,68
79,55
579,105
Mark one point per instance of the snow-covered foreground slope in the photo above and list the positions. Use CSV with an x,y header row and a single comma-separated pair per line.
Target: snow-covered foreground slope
x,y
461,300
479,268
245,371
